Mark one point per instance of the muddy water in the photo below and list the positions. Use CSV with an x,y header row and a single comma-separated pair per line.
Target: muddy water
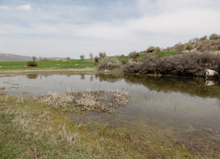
x,y
162,101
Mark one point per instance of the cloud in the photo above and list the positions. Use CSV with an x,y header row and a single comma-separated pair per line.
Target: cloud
x,y
5,8
24,8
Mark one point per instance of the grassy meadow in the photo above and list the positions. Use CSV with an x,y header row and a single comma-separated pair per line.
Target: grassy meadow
x,y
73,64
64,64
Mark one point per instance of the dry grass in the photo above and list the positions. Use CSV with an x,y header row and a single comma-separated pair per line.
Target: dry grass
x,y
87,140
98,101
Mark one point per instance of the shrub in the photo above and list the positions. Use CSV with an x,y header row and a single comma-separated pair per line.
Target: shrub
x,y
31,63
191,64
203,47
203,38
134,55
157,49
124,61
96,59
218,48
214,36
150,49
132,68
179,47
109,64
188,47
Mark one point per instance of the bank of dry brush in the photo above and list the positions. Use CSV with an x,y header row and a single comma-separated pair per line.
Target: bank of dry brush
x,y
192,64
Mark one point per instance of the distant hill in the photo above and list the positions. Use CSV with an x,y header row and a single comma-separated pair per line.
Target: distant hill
x,y
4,57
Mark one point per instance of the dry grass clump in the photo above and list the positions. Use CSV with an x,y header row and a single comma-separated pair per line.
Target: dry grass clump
x,y
98,101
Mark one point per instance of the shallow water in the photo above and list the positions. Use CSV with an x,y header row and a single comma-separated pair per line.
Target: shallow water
x,y
162,101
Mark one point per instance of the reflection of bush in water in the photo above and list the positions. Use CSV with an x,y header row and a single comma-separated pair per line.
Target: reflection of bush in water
x,y
32,76
82,76
193,86
108,77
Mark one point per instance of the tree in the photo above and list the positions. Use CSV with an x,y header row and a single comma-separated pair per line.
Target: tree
x,y
103,54
157,49
134,55
150,49
100,55
34,58
82,57
179,47
91,55
188,47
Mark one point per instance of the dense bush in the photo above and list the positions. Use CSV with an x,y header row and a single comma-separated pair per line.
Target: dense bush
x,y
31,63
109,64
203,38
214,36
191,64
150,49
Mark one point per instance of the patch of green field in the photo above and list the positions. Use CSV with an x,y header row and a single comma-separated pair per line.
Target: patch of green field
x,y
165,53
73,64
157,54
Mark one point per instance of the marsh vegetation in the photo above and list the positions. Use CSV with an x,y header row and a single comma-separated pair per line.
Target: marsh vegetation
x,y
160,117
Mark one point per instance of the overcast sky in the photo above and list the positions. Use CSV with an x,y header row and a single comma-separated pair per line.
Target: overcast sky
x,y
72,28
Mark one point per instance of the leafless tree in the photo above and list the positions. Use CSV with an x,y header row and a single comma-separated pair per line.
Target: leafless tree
x,y
91,55
179,47
100,55
103,54
34,58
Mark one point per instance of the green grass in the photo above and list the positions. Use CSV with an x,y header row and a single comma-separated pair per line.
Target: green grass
x,y
56,65
48,65
165,53
157,54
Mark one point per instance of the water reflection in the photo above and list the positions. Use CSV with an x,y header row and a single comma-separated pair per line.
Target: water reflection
x,y
32,76
159,100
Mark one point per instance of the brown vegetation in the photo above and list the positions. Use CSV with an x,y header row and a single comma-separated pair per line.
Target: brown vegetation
x,y
97,101
192,64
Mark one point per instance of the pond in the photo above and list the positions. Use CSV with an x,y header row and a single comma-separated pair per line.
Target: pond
x,y
184,104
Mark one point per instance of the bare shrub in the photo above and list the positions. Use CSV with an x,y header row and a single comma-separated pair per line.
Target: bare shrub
x,y
157,49
124,61
179,47
132,68
34,58
91,55
214,36
203,38
109,64
134,55
150,49
203,47
192,64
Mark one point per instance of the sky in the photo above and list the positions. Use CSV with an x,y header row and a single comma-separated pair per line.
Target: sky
x,y
61,28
